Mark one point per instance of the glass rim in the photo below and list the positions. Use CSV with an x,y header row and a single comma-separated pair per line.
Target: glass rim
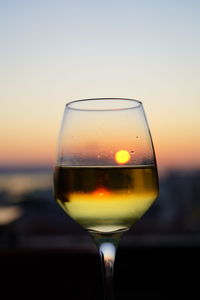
x,y
133,104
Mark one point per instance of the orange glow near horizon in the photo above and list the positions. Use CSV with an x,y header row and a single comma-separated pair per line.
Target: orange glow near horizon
x,y
169,154
175,148
34,147
27,154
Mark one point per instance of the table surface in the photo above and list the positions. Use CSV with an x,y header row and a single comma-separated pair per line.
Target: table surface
x,y
140,273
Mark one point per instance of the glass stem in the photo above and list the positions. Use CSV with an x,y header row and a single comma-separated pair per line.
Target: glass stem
x,y
107,245
107,253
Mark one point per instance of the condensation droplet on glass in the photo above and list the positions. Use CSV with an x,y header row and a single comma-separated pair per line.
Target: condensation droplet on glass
x,y
132,152
137,137
98,156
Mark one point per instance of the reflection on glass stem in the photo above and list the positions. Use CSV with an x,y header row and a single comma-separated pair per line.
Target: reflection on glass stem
x,y
107,245
107,252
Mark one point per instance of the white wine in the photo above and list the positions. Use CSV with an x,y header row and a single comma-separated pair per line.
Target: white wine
x,y
105,198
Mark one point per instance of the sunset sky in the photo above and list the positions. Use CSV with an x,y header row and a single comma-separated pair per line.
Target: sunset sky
x,y
55,51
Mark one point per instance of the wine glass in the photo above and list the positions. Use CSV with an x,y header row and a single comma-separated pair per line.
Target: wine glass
x,y
105,176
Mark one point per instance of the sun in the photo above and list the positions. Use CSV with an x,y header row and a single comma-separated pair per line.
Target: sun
x,y
122,157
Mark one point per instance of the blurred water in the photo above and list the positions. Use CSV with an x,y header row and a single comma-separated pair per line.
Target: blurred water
x,y
28,211
20,183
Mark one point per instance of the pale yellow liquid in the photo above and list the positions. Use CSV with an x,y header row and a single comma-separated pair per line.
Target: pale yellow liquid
x,y
106,199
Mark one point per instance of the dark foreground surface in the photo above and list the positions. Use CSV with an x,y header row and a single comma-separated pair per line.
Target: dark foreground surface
x,y
140,273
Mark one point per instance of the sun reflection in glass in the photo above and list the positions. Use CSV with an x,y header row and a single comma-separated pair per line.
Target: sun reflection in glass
x,y
101,191
122,157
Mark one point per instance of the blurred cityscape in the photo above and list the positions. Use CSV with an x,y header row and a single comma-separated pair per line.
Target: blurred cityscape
x,y
29,216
